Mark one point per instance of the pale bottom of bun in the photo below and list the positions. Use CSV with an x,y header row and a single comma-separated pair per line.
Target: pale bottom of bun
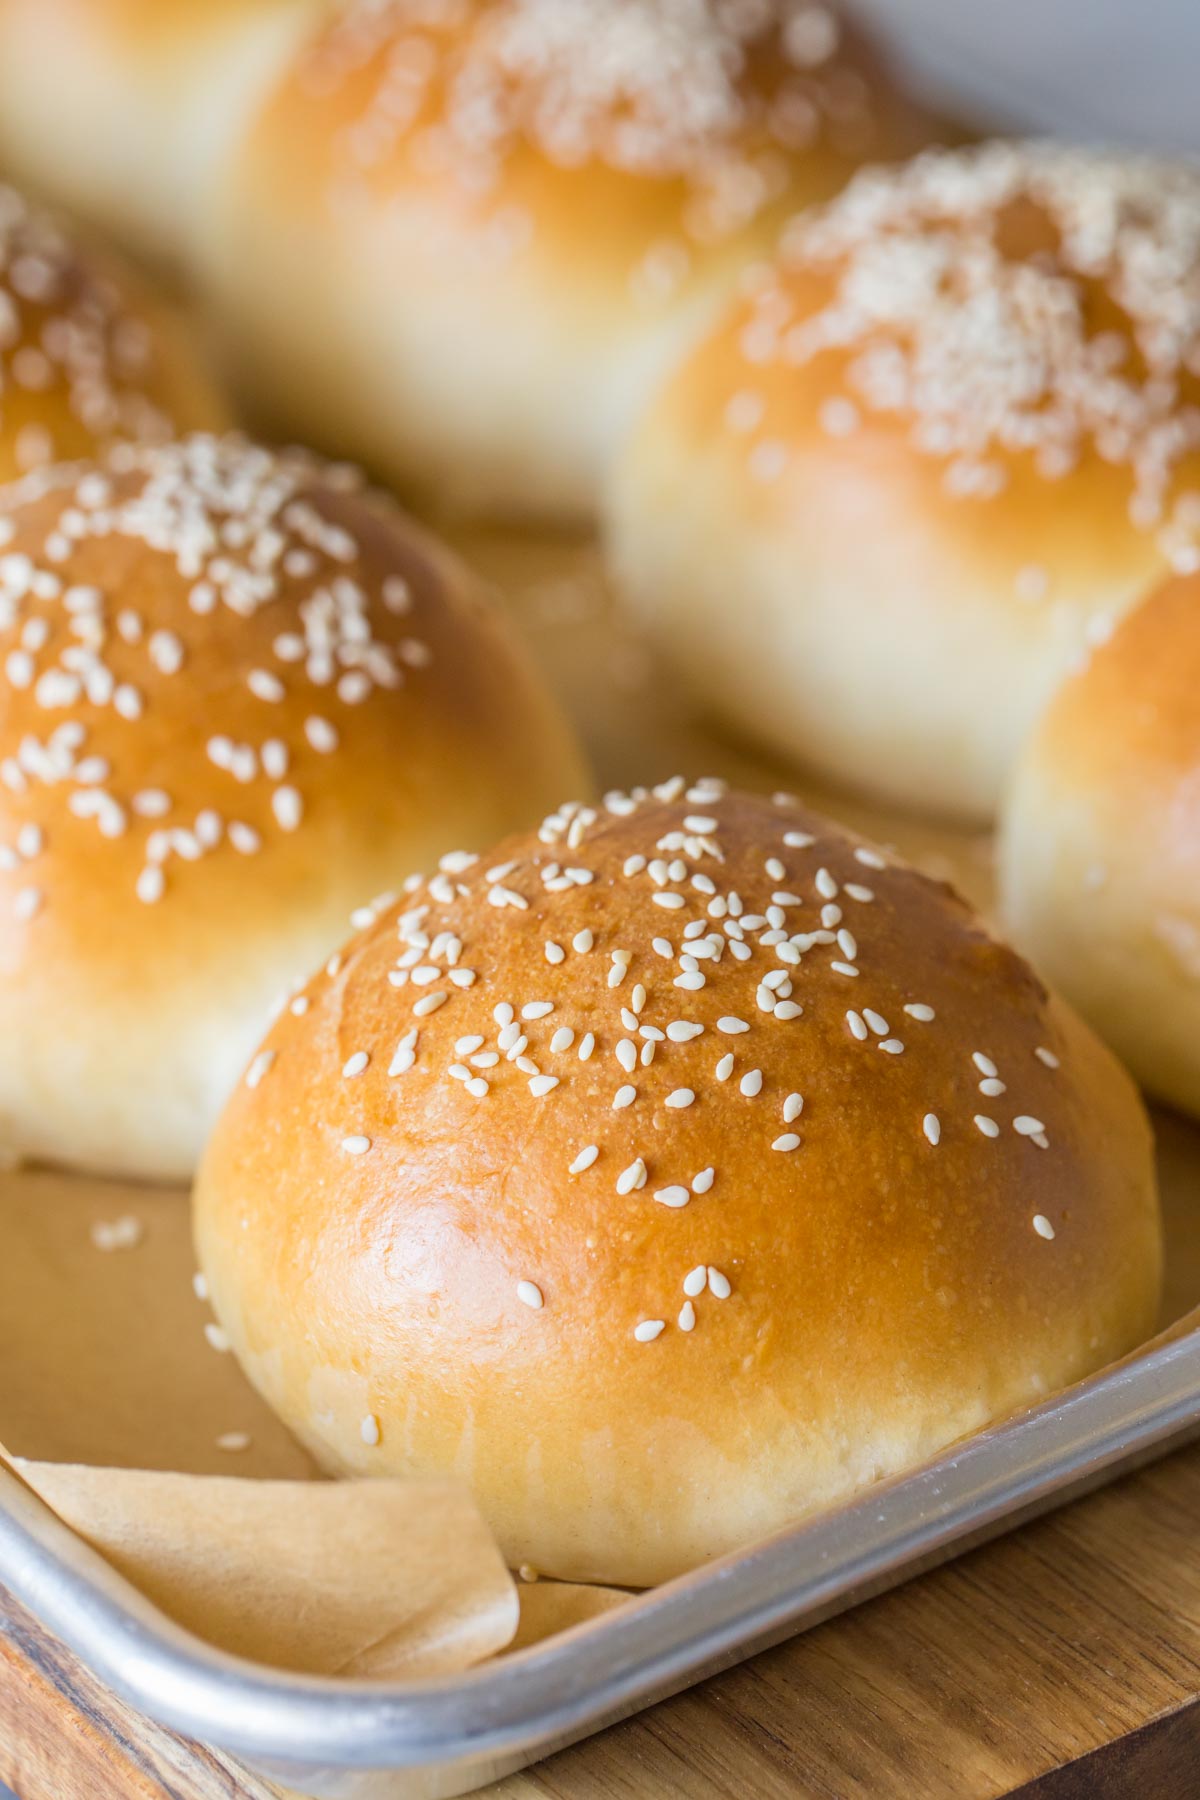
x,y
875,650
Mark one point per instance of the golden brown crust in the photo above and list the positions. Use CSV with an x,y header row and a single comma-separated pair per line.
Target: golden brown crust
x,y
88,356
1100,855
366,1228
242,697
531,210
940,443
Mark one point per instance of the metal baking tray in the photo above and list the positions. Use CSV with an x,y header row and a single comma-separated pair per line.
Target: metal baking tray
x,y
353,1740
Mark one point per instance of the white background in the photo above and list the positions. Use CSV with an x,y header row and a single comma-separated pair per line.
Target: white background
x,y
1109,70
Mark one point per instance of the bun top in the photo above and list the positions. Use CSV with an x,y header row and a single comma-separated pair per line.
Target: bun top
x,y
86,357
1014,316
669,1171
688,117
210,647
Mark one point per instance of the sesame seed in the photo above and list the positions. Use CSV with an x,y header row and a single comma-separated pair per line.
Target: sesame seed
x,y
751,1083
632,1178
858,1027
876,1021
843,968
731,1026
725,1067
988,1126
625,1096
587,1044
680,1097
584,1160
150,885
1026,1126
554,953
217,1339
1046,1056
1042,1226
356,1145
27,903
793,1106
702,1182
542,1084
233,1441
687,1316
477,1087
870,859
288,808
984,1064
893,1046
582,942
648,1330
355,1064
429,1003
530,1294
931,1126
924,1014
788,1141
369,1431
672,1196
992,1088
562,1040
259,1067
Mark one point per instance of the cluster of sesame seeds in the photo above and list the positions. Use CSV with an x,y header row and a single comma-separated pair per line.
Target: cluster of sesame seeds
x,y
717,94
67,339
239,530
638,1028
987,344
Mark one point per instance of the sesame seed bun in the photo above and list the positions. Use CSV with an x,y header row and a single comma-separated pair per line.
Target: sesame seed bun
x,y
949,435
499,221
1100,850
241,696
124,110
743,1168
88,355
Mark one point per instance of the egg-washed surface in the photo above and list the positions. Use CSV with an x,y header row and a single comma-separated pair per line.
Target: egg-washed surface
x,y
717,95
82,364
245,531
593,1168
1014,300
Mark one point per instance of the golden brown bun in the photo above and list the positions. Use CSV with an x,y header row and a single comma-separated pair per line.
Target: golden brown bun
x,y
869,1295
497,222
87,355
124,110
1100,860
240,698
876,515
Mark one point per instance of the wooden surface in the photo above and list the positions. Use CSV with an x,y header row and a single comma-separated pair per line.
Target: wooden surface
x,y
1078,1634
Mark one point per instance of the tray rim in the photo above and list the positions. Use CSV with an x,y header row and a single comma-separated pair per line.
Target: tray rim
x,y
464,1729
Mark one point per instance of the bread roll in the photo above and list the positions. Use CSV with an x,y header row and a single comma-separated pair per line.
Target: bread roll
x,y
669,1174
1100,852
497,221
124,110
87,355
240,698
943,439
